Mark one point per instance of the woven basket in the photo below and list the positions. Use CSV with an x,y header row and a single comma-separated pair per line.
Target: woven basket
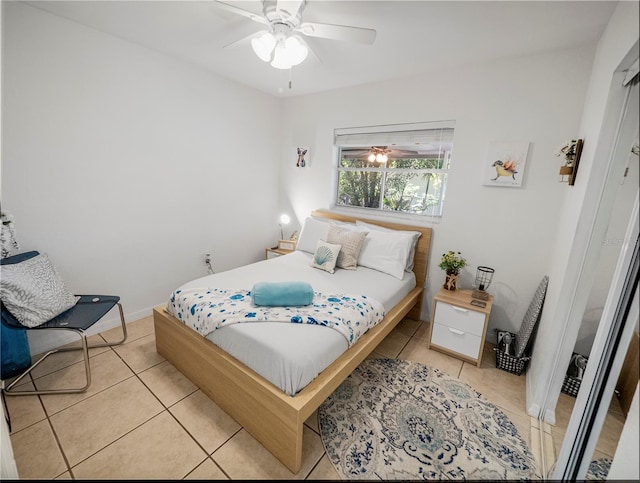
x,y
508,362
571,385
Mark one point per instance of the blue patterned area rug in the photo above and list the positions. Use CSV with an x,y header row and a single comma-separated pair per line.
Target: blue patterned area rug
x,y
401,420
599,469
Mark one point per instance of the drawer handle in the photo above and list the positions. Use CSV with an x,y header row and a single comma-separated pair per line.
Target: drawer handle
x,y
459,309
456,331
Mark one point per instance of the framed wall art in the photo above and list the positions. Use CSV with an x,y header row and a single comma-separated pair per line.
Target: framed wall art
x,y
505,164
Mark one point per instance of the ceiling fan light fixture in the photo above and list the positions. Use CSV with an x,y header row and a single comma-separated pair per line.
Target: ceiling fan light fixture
x,y
263,45
288,52
296,50
378,154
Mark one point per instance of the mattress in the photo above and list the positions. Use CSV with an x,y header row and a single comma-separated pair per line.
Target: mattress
x,y
292,355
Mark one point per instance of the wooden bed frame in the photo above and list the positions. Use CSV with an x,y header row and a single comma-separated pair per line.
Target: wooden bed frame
x,y
272,417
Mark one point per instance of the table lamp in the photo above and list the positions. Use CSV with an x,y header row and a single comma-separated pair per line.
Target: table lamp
x,y
484,275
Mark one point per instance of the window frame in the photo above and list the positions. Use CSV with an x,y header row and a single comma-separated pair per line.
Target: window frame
x,y
368,136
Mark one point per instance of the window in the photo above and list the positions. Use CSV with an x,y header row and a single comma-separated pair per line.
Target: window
x,y
397,168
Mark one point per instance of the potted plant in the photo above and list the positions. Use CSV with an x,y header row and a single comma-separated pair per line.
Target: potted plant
x,y
452,262
568,150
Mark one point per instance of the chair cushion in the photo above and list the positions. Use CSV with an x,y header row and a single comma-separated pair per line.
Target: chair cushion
x,y
33,291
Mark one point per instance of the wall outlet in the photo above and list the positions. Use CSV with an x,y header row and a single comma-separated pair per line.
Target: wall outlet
x,y
208,262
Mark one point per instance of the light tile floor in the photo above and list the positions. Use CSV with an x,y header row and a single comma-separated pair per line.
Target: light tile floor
x,y
609,435
142,419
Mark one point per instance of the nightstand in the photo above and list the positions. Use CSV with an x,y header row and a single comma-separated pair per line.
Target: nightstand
x,y
275,252
457,327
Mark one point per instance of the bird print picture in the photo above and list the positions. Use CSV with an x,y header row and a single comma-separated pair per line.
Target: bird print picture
x,y
505,164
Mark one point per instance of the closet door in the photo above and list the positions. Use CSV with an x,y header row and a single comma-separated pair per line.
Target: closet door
x,y
619,318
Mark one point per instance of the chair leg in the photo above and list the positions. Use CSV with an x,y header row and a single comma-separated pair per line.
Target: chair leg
x,y
124,333
87,368
85,350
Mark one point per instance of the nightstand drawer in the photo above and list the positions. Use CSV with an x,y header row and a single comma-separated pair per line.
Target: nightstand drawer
x,y
459,318
456,340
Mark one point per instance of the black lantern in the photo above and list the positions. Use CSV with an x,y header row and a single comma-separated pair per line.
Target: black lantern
x,y
484,275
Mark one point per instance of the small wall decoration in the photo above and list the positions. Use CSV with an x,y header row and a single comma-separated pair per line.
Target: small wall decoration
x,y
570,151
505,164
301,161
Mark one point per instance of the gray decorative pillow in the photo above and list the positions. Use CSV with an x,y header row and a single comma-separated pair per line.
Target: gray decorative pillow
x,y
33,291
325,256
351,242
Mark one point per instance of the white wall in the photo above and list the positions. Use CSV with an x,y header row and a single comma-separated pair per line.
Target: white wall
x,y
8,468
126,165
566,301
537,99
625,461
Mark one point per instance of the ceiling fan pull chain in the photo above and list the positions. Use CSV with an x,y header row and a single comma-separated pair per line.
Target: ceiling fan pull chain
x,y
290,77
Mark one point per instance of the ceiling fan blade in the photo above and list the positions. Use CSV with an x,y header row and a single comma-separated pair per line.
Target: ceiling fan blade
x,y
338,32
245,40
245,13
313,53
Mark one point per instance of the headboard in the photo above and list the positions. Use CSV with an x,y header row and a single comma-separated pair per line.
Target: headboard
x,y
422,248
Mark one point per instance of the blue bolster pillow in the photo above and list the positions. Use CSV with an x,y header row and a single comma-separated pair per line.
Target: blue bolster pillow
x,y
282,294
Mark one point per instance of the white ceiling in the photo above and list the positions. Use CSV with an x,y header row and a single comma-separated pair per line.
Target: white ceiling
x,y
412,36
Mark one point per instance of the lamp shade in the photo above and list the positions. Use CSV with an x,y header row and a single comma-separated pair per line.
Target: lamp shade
x,y
263,45
289,52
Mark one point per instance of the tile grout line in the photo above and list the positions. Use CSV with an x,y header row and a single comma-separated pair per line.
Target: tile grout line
x,y
167,408
53,430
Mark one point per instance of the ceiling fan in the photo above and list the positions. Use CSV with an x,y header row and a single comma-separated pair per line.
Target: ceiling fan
x,y
280,43
380,154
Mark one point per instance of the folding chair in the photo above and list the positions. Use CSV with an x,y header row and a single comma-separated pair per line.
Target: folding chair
x,y
88,310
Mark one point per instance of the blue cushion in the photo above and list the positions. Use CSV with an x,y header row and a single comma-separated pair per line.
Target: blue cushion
x,y
282,294
20,257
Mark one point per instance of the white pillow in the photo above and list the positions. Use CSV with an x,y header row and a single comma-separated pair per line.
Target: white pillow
x,y
311,232
351,242
413,234
33,291
386,252
326,256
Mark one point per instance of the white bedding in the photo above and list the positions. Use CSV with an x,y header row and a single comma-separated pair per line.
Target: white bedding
x,y
292,355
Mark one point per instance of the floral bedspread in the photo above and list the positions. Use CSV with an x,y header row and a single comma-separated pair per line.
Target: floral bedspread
x,y
206,309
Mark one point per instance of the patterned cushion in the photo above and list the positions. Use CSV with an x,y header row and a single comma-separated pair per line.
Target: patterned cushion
x,y
351,242
325,256
33,291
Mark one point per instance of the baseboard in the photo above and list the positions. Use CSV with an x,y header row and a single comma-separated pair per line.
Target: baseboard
x,y
46,340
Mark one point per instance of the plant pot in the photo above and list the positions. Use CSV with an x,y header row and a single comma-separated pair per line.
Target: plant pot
x,y
566,170
450,281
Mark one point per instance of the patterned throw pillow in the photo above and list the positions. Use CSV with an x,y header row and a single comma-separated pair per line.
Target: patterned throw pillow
x,y
326,256
351,242
33,291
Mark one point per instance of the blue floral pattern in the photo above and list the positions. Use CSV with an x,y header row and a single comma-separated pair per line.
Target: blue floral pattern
x,y
207,309
401,420
599,469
